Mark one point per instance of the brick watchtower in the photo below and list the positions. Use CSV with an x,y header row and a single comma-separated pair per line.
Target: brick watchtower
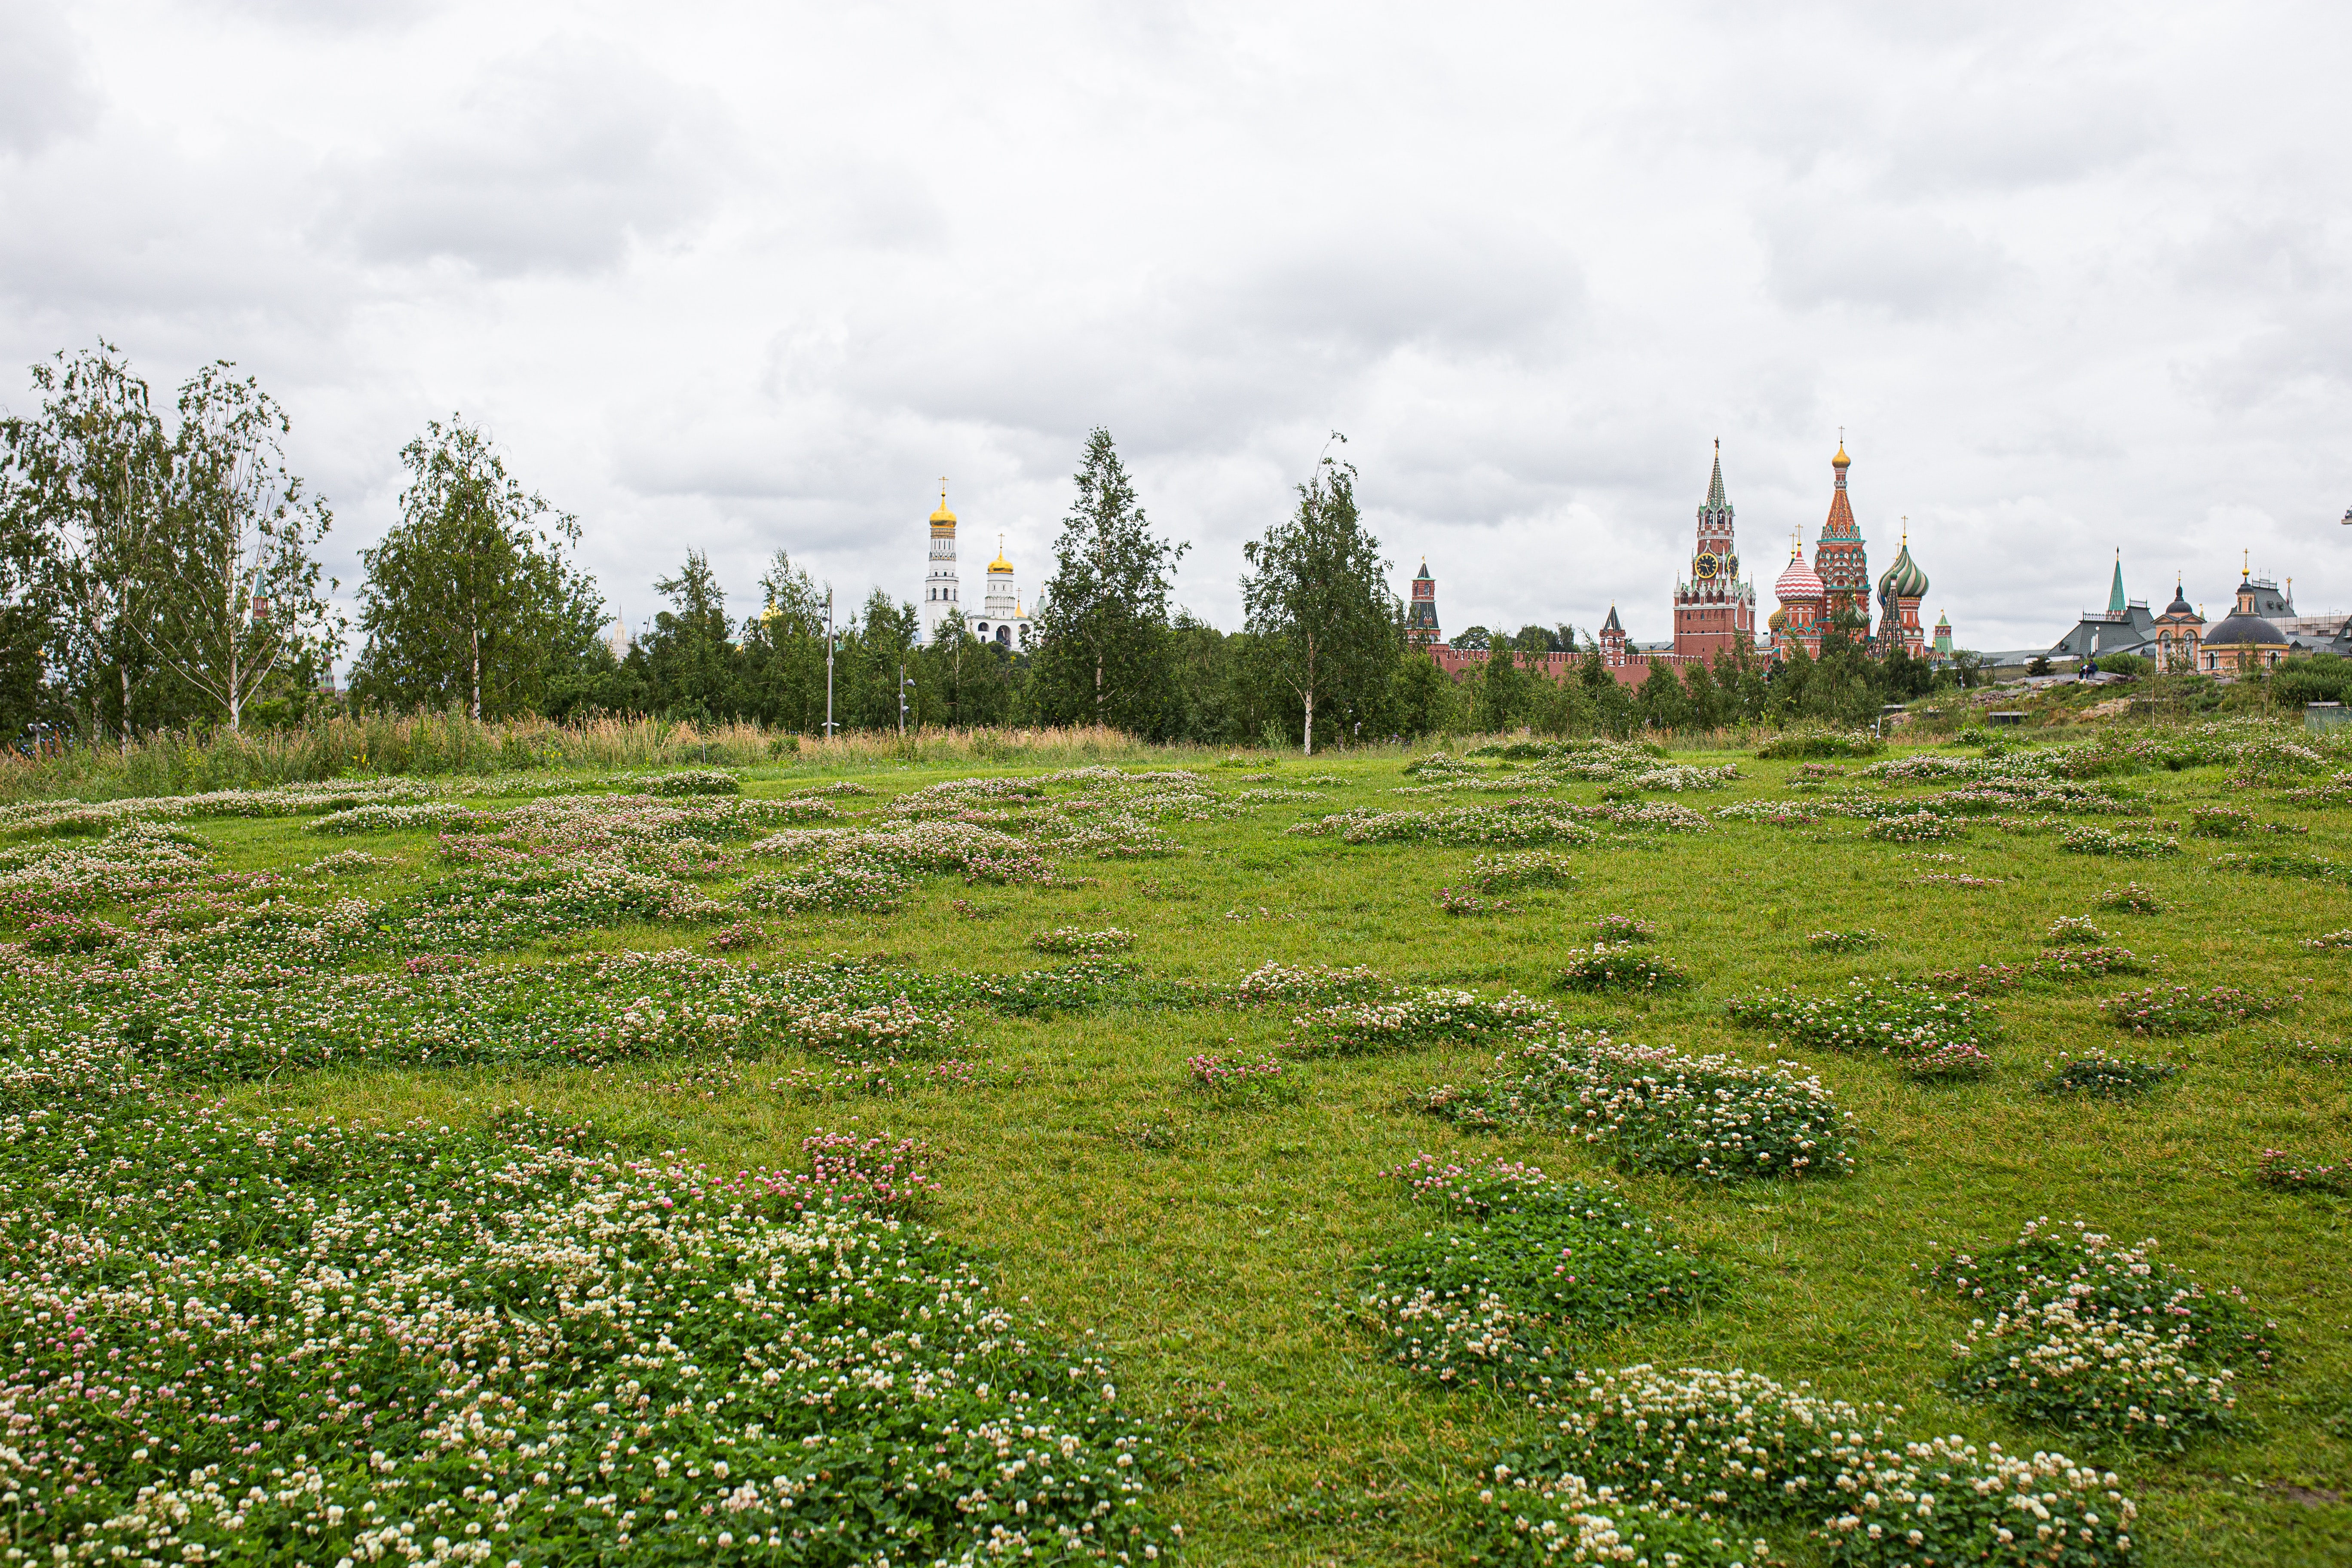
x,y
1713,610
1839,561
1615,650
1421,619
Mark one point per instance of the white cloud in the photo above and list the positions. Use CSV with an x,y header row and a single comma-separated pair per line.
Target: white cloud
x,y
743,278
557,160
45,87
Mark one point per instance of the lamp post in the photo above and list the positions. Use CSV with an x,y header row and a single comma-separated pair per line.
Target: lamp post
x,y
828,663
904,686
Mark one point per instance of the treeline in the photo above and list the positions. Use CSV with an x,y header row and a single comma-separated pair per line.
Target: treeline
x,y
161,575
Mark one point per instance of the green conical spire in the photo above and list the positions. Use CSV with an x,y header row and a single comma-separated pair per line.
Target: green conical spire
x,y
1715,502
2116,606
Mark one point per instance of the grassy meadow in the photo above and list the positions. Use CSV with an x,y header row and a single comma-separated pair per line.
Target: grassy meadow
x,y
1210,1252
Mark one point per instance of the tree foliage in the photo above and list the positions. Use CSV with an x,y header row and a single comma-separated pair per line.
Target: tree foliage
x,y
154,576
1104,623
469,599
238,597
1327,626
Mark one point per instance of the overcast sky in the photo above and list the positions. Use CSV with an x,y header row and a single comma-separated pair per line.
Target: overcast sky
x,y
739,278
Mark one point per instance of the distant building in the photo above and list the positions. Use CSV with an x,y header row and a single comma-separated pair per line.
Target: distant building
x,y
1715,610
943,584
1421,615
2126,625
2245,639
1899,593
1002,620
2178,632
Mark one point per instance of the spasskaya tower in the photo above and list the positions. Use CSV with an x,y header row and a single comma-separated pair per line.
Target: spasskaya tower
x,y
1714,609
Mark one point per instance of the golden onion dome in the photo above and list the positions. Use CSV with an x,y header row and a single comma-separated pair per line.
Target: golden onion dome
x,y
943,515
999,563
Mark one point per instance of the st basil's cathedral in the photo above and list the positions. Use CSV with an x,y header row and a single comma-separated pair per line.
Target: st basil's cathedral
x,y
1714,607
1834,592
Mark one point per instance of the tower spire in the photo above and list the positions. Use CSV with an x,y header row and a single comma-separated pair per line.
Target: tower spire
x,y
2116,605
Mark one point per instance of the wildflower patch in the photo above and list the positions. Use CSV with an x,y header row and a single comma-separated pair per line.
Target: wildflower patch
x,y
2094,1337
1622,966
2111,841
774,1350
1072,940
1519,1266
2097,1075
1506,872
1915,827
2178,1010
1734,1448
2282,863
1430,1016
1710,1118
2286,1172
1887,1017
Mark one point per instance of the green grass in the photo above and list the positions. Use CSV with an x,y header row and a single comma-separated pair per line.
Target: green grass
x,y
1213,1268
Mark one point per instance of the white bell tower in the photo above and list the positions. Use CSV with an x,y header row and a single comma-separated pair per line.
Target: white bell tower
x,y
943,587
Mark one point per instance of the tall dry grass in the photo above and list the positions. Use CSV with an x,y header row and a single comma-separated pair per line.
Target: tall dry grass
x,y
436,744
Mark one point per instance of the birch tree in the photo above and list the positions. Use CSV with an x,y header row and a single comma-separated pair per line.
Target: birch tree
x,y
237,586
1320,607
85,485
469,599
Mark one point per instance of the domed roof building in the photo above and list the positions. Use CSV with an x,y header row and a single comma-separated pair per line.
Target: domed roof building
x,y
2179,633
1900,588
1798,622
2243,639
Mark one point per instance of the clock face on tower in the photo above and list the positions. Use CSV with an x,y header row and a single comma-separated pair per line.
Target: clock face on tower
x,y
1708,564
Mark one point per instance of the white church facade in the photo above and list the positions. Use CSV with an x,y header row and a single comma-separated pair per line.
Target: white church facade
x,y
1002,618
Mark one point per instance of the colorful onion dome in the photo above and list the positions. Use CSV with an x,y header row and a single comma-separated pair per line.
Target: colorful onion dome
x,y
1841,460
1777,619
1797,582
1904,580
